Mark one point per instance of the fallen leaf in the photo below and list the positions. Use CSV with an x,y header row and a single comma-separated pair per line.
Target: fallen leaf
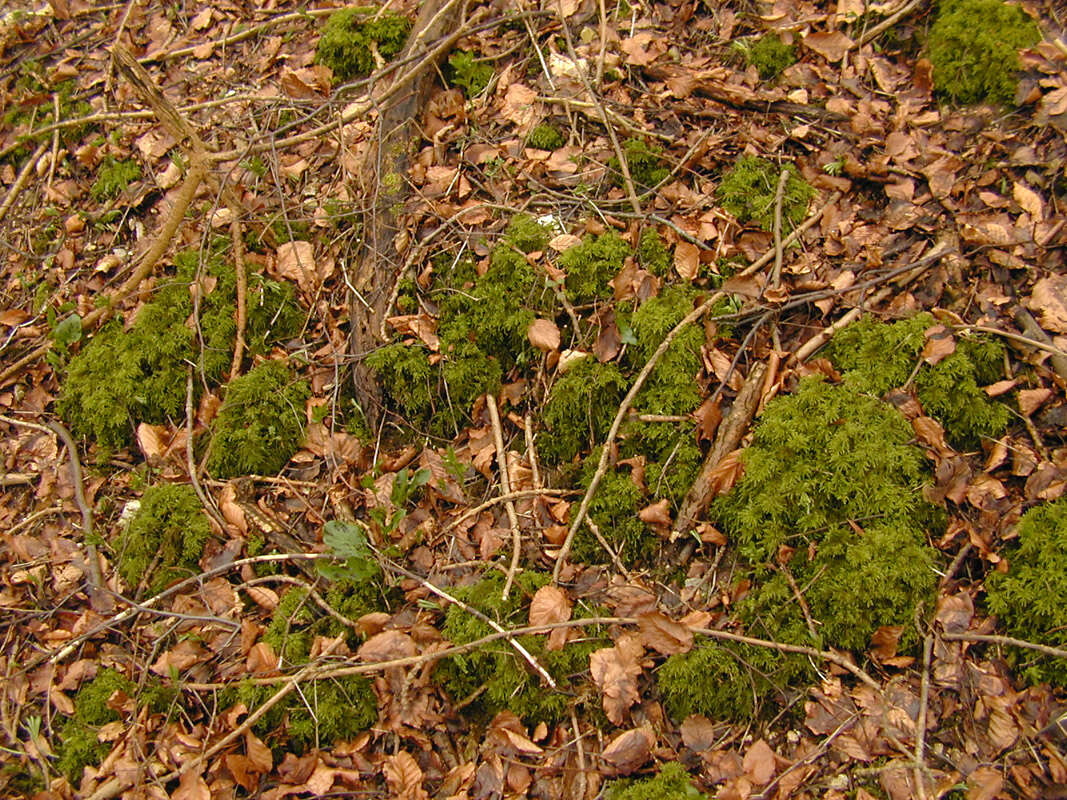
x,y
686,260
404,777
549,604
1049,300
387,646
1030,400
758,763
544,335
658,513
664,635
615,670
629,751
830,45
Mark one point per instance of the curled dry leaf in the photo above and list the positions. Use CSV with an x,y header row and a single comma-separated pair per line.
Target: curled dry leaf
x,y
386,646
629,751
404,777
664,635
615,670
659,513
544,335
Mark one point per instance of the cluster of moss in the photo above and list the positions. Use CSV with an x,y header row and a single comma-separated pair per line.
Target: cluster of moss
x,y
1028,598
31,108
351,36
974,47
645,162
877,356
770,55
652,253
831,476
260,423
113,176
79,744
499,670
591,264
165,539
579,410
123,377
749,190
466,71
545,137
670,783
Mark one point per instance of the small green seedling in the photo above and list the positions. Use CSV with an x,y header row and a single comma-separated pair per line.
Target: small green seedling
x,y
469,73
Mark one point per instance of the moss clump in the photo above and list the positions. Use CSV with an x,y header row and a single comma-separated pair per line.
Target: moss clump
x,y
580,409
877,357
165,539
974,47
749,189
614,509
545,137
79,745
408,378
465,70
770,55
822,461
527,234
670,783
672,387
652,253
727,680
122,377
496,667
647,166
591,264
1029,597
349,40
260,423
113,176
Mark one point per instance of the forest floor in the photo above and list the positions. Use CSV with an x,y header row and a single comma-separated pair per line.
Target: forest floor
x,y
546,563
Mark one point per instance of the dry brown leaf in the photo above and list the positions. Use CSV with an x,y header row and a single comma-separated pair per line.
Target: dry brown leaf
x,y
1029,200
940,343
885,640
658,513
544,335
386,646
663,634
759,763
549,604
830,45
686,260
1049,300
564,242
1030,400
258,753
192,786
615,670
404,777
295,261
629,751
643,48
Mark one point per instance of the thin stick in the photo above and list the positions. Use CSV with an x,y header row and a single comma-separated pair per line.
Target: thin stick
x,y
642,376
920,718
887,23
779,195
190,462
522,651
237,235
1056,652
21,181
519,495
505,486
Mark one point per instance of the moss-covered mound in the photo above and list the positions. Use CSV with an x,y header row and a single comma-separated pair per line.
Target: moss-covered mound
x,y
591,264
351,36
260,424
748,191
121,378
770,55
501,674
1029,597
876,357
974,46
165,539
545,137
670,783
832,473
580,409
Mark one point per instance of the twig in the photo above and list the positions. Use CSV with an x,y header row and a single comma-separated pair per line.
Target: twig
x,y
887,23
608,548
190,463
237,235
986,638
319,600
531,451
580,793
519,495
96,581
920,718
505,486
21,181
779,195
642,376
515,643
624,166
1025,320
799,595
55,142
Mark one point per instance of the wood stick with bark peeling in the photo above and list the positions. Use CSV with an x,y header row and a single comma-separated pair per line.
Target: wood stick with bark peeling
x,y
730,434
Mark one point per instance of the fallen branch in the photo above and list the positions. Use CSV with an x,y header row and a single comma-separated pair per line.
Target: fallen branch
x,y
21,181
988,638
505,487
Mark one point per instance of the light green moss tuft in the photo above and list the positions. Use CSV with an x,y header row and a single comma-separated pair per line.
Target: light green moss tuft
x,y
545,137
165,539
770,55
591,264
614,509
348,36
580,409
79,746
749,189
670,783
653,254
496,667
974,47
1029,597
407,377
646,163
113,176
260,423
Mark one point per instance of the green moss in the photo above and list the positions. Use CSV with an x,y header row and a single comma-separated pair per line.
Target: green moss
x,y
646,163
405,373
466,71
770,55
974,46
348,36
113,176
527,234
1029,597
496,667
822,461
260,423
876,357
652,253
545,137
670,783
122,377
727,681
749,189
467,373
79,745
165,539
614,509
321,713
580,409
677,368
591,264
